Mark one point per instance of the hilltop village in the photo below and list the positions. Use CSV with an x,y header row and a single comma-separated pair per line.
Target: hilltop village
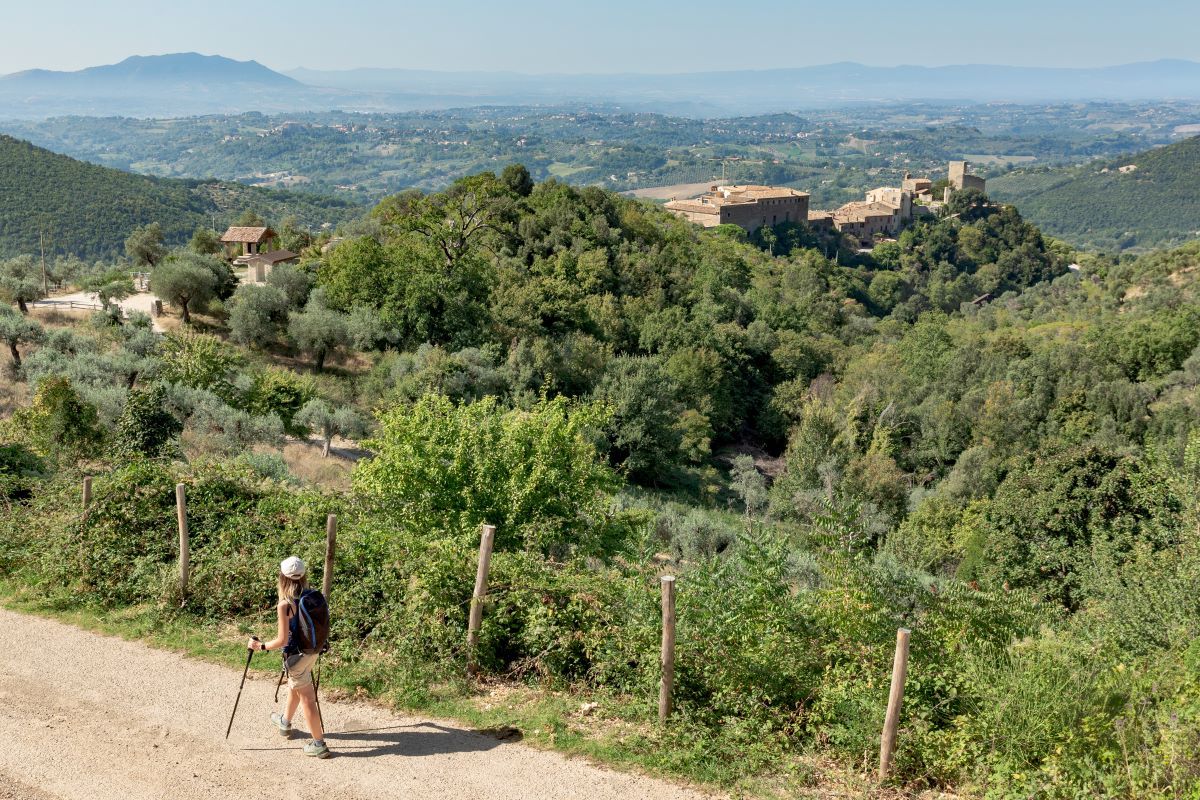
x,y
883,213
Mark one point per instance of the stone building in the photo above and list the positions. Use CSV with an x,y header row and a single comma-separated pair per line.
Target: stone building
x,y
961,178
260,264
749,207
921,188
866,220
248,240
899,199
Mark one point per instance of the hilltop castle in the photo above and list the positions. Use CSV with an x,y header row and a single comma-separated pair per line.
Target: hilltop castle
x,y
884,212
751,207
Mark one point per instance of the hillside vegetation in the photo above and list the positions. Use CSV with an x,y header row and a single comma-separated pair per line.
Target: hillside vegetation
x,y
821,449
87,211
1097,205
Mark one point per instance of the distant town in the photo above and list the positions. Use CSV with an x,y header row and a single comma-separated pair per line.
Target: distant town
x,y
882,214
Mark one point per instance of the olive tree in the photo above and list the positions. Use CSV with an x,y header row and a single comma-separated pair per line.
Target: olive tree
x,y
257,314
145,245
318,330
184,280
15,330
319,418
20,282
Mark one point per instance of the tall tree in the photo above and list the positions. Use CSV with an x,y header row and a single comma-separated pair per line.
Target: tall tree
x,y
205,241
145,245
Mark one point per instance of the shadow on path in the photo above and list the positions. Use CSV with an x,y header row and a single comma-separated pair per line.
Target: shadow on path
x,y
424,739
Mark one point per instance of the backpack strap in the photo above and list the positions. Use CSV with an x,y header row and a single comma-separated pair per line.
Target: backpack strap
x,y
306,623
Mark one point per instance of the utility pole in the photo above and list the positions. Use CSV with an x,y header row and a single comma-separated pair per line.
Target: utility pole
x,y
42,244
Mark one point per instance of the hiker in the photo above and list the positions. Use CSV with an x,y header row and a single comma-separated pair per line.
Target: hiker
x,y
301,649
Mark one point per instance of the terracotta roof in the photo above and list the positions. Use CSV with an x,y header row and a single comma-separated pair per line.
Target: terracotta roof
x,y
247,235
693,206
860,212
709,202
757,192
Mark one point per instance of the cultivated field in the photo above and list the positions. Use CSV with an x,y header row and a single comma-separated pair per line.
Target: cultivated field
x,y
671,192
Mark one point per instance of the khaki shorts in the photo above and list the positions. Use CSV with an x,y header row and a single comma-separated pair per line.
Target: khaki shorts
x,y
299,669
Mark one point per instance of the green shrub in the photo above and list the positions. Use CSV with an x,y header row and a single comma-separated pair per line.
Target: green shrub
x,y
536,474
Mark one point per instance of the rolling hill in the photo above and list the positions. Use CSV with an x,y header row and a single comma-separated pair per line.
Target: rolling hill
x,y
179,83
1150,199
88,210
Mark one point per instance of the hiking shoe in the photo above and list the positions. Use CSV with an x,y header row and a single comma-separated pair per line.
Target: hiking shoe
x,y
316,749
285,727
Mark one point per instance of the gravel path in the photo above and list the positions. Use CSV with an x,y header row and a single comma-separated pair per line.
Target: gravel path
x,y
142,301
92,717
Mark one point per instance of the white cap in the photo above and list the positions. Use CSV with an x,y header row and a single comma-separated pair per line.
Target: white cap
x,y
292,567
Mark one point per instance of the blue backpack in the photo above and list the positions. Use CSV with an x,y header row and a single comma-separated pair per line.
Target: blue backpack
x,y
308,629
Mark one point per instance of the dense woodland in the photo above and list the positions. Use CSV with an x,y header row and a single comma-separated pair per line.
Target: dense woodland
x,y
956,433
1098,205
76,209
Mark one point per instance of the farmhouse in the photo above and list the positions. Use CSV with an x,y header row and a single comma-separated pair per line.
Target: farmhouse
x,y
249,241
750,207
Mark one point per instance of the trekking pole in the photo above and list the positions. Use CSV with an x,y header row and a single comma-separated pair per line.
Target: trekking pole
x,y
249,655
316,696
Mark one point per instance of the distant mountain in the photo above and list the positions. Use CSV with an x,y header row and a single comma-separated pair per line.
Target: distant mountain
x,y
1150,199
188,84
182,83
180,68
87,210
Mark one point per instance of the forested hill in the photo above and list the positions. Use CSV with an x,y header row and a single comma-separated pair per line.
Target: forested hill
x,y
1099,205
87,210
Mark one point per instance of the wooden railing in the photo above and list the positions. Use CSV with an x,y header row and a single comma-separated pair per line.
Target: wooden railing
x,y
72,304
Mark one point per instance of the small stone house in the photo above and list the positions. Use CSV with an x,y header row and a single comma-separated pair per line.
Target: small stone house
x,y
242,242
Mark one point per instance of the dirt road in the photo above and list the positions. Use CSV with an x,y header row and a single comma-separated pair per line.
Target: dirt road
x,y
142,301
88,717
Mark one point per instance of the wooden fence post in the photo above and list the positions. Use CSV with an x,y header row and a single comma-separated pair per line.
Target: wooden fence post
x,y
87,491
887,744
475,621
668,648
181,515
330,541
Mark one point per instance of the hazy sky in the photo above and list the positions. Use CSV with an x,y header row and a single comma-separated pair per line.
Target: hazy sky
x,y
598,36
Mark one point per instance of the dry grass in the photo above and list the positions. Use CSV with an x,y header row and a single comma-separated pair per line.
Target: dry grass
x,y
52,317
306,463
13,394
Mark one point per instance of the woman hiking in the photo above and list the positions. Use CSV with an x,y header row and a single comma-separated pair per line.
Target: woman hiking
x,y
297,663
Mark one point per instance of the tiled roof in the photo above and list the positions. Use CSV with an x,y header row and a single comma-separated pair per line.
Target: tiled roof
x,y
247,235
